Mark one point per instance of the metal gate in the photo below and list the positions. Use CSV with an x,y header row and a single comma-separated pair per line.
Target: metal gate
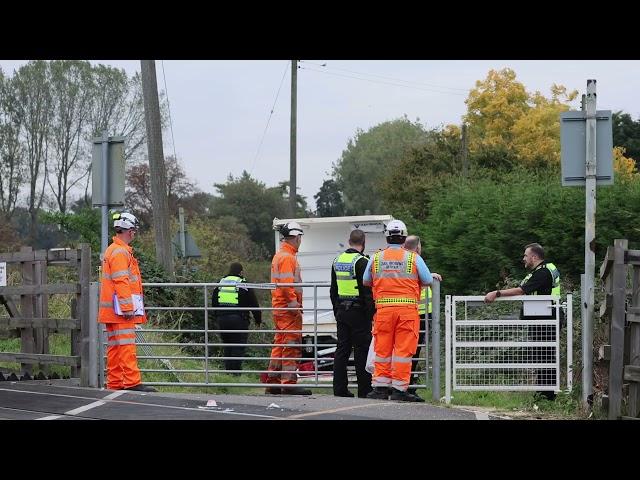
x,y
505,353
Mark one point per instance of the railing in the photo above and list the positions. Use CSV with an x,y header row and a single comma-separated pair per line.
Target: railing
x,y
153,343
505,353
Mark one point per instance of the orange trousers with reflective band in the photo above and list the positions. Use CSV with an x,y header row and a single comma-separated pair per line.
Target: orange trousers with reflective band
x,y
396,332
284,371
122,362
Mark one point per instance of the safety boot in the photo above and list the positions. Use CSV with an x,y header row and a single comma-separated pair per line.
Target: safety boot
x,y
141,388
296,391
379,393
404,396
273,390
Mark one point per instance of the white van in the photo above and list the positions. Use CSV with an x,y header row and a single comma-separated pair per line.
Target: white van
x,y
324,239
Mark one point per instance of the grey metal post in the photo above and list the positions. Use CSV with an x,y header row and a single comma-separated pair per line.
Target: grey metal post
x,y
435,341
105,194
293,139
94,295
206,336
183,241
447,348
589,243
101,355
315,331
569,342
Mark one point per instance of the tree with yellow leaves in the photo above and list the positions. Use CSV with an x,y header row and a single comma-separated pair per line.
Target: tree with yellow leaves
x,y
503,117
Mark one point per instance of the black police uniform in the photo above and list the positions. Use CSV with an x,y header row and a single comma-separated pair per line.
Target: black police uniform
x,y
354,320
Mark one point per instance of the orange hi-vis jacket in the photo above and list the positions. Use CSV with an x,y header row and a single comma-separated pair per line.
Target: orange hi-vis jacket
x,y
120,275
285,269
395,278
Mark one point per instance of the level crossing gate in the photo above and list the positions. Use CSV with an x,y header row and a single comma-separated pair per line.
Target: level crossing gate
x,y
512,353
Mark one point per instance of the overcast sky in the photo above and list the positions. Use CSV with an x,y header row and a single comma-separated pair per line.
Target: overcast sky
x,y
220,109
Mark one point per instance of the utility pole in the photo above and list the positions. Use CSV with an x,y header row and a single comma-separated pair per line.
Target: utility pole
x,y
465,161
292,147
156,165
589,243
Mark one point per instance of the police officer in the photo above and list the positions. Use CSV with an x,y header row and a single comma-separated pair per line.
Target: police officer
x,y
235,295
353,309
543,279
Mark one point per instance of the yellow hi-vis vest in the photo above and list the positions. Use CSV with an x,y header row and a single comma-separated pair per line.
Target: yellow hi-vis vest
x,y
555,274
229,295
426,303
345,267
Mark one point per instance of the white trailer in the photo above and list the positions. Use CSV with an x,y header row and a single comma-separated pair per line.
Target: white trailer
x,y
324,239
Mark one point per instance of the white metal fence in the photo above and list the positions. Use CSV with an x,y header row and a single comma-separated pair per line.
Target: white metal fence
x,y
161,345
505,353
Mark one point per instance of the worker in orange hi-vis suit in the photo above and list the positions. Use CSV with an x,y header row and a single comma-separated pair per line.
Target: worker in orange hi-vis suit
x,y
396,275
121,306
284,358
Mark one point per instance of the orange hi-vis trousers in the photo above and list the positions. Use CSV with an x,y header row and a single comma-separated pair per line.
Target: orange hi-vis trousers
x,y
395,329
284,371
122,362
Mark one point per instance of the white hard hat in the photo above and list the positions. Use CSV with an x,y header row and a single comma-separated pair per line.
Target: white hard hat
x,y
396,227
291,229
125,220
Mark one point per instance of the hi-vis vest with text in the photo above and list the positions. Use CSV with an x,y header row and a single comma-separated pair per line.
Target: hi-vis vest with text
x,y
229,295
555,274
344,266
395,278
426,303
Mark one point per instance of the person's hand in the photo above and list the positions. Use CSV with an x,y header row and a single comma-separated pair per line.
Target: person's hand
x,y
437,276
490,297
128,314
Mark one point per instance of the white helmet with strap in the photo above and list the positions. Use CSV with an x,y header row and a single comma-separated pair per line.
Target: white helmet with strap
x,y
125,221
396,227
291,229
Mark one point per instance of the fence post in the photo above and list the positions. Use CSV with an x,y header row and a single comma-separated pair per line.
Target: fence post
x,y
447,348
84,274
634,345
435,341
569,342
619,290
27,342
94,299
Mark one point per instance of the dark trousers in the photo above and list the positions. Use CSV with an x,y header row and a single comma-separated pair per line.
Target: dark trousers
x,y
415,363
354,332
233,321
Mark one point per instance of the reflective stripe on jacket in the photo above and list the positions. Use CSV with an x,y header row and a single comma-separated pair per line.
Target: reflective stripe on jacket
x,y
229,295
426,301
344,267
395,278
285,269
120,276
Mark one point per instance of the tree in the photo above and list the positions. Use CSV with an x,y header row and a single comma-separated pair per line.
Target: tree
x,y
369,157
329,200
138,194
507,123
71,92
626,133
12,155
31,89
410,187
253,204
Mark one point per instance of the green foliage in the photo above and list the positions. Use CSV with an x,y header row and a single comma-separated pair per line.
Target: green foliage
x,y
329,200
369,158
252,204
477,229
626,133
422,172
83,226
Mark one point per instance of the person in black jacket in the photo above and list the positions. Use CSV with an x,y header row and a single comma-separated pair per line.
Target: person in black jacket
x,y
235,295
353,309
